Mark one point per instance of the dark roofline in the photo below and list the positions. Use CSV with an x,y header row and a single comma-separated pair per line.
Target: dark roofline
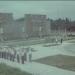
x,y
20,19
36,14
9,13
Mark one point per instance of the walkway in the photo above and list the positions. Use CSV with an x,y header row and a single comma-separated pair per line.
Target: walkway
x,y
42,69
38,69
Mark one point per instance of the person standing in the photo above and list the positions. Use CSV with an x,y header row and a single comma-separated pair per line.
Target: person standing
x,y
15,52
21,53
61,40
0,53
8,53
56,40
4,53
12,55
25,56
30,57
22,59
18,58
30,54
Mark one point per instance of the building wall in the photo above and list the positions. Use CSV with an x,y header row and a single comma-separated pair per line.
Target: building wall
x,y
20,28
48,27
36,25
6,24
32,25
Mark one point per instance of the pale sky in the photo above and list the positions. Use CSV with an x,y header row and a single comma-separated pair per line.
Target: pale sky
x,y
53,9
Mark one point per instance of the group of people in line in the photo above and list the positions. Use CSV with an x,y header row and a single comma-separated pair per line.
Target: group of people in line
x,y
61,40
15,55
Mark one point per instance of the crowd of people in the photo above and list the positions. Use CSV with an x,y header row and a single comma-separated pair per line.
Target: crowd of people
x,y
16,55
57,40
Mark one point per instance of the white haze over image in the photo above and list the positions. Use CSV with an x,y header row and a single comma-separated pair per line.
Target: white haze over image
x,y
53,9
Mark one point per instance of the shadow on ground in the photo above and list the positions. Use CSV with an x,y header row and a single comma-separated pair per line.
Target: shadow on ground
x,y
60,61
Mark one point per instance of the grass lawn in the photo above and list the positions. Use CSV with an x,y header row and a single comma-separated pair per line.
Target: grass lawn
x,y
60,61
73,41
54,44
6,70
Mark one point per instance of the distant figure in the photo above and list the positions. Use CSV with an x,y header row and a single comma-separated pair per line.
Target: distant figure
x,y
18,58
30,57
0,54
56,40
22,59
25,56
30,54
15,53
61,40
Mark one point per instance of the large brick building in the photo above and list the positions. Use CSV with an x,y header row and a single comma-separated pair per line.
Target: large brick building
x,y
32,25
36,25
20,28
6,25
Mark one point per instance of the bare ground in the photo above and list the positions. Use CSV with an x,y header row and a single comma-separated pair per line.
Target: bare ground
x,y
60,61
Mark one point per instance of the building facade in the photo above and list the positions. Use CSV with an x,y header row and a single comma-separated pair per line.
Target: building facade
x,y
32,25
20,28
6,25
36,25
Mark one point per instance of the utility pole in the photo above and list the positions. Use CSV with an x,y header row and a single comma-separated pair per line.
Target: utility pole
x,y
1,32
40,31
65,33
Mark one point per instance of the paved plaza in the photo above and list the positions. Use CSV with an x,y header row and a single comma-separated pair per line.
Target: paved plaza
x,y
40,52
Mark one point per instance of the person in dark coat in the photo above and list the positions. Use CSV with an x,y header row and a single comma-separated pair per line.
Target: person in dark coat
x,y
0,52
8,55
4,53
18,58
30,57
22,59
14,56
30,54
25,56
61,40
11,57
